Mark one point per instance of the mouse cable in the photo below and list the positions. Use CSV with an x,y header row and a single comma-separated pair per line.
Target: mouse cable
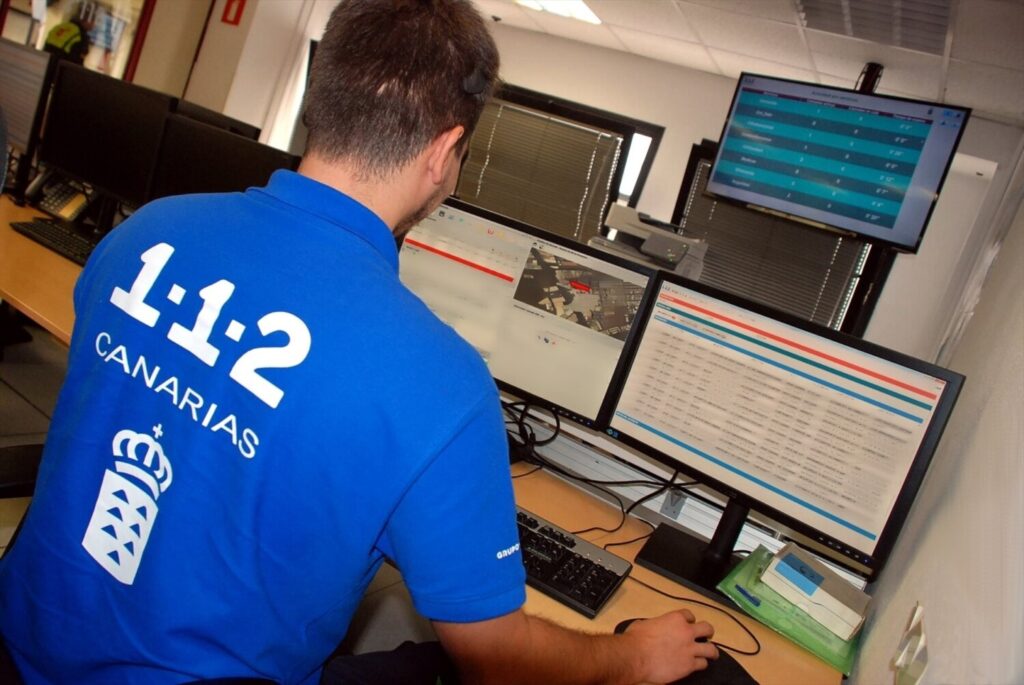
x,y
735,650
630,542
669,485
624,513
532,471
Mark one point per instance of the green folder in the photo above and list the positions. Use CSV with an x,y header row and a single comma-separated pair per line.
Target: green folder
x,y
743,586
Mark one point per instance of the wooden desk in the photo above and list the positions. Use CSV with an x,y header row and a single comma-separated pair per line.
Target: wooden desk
x,y
780,662
33,279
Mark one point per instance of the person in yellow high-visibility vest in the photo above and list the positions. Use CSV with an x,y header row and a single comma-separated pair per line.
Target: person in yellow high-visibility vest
x,y
69,39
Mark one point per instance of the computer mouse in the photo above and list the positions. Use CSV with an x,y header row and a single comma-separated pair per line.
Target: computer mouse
x,y
724,670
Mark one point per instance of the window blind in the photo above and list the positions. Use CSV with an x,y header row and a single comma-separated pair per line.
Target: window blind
x,y
804,271
541,169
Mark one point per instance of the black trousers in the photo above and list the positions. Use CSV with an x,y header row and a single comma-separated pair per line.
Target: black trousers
x,y
412,663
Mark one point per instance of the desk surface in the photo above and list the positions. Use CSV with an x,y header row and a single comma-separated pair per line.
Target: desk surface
x,y
39,283
33,279
780,661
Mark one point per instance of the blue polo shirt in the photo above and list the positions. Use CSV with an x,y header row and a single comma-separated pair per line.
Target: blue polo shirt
x,y
256,413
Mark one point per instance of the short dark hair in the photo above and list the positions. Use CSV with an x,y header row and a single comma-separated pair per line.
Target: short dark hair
x,y
389,76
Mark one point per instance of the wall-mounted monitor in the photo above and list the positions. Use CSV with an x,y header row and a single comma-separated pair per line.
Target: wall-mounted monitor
x,y
822,432
550,317
868,164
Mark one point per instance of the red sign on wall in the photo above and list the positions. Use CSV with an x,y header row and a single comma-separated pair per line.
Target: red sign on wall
x,y
233,12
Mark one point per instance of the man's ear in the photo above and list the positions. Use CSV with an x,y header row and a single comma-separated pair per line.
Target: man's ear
x,y
441,154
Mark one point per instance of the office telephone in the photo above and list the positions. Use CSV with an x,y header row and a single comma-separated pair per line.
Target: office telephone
x,y
55,195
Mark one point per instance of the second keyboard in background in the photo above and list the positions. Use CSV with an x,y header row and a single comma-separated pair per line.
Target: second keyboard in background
x,y
59,236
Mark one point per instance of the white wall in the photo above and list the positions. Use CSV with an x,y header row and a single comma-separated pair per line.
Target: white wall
x,y
213,74
171,44
914,324
961,553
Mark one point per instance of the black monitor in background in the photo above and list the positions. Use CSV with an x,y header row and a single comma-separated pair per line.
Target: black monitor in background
x,y
197,158
104,132
223,121
550,317
25,75
868,164
824,433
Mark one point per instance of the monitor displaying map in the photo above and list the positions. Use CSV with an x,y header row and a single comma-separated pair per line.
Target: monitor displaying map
x,y
550,317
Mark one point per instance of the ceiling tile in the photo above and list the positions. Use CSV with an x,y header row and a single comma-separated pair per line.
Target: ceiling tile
x,y
906,71
732,64
777,10
574,29
510,13
651,16
748,35
990,32
663,49
986,88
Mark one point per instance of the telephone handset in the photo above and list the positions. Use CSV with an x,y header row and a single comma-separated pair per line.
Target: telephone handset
x,y
57,196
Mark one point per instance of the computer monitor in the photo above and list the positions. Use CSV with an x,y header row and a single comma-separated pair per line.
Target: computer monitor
x,y
25,75
869,164
104,132
213,118
198,158
822,432
551,317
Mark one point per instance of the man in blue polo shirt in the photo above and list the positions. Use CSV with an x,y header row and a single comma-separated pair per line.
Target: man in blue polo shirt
x,y
257,413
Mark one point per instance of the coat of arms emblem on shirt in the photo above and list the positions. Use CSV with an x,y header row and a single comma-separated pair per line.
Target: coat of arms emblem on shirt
x,y
125,510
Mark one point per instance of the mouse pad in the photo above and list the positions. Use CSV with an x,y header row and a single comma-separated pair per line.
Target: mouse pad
x,y
724,670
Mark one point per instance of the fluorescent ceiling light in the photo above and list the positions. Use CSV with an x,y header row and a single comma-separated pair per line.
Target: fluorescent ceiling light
x,y
573,9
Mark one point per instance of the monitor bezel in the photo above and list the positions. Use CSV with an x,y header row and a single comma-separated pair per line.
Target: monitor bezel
x,y
569,244
189,127
899,246
855,560
210,117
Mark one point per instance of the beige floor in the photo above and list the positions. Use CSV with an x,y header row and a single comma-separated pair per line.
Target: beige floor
x,y
31,374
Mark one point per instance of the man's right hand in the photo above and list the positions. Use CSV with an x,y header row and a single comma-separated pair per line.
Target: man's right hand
x,y
518,648
672,645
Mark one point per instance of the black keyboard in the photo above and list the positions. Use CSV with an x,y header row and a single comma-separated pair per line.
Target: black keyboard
x,y
59,236
567,568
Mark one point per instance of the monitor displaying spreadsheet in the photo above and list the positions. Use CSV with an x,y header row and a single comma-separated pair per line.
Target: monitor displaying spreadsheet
x,y
827,433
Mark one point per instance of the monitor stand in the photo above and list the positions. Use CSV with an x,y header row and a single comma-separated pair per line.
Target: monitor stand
x,y
693,562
